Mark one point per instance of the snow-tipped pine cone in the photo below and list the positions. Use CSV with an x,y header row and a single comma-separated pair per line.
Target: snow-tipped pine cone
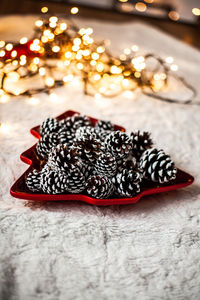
x,y
48,126
64,158
89,146
127,182
99,186
33,181
157,166
119,144
105,125
141,142
53,182
106,165
76,181
46,143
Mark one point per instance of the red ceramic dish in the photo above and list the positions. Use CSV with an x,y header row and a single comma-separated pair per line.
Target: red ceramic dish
x,y
19,189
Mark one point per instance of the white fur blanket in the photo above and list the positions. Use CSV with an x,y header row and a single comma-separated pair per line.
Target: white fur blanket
x,y
150,250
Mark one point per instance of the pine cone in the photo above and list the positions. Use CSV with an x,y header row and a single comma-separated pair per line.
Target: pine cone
x,y
157,166
53,182
99,186
105,125
64,158
45,144
76,181
89,146
106,165
48,126
119,144
127,182
66,135
33,181
141,142
87,131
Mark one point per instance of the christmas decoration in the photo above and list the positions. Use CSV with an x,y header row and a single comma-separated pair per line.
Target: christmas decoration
x,y
53,182
141,142
127,183
33,181
62,47
106,165
90,147
45,144
119,144
76,181
105,125
99,186
64,158
157,166
48,126
66,173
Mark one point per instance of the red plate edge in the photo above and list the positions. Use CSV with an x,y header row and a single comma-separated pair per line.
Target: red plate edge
x,y
188,179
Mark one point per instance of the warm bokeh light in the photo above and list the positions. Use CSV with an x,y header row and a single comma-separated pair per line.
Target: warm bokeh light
x,y
74,10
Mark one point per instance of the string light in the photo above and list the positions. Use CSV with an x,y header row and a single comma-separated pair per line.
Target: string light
x,y
34,101
173,15
44,9
80,59
196,11
23,40
140,6
9,47
74,10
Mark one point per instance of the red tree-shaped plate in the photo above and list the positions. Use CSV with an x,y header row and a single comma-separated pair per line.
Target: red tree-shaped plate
x,y
19,189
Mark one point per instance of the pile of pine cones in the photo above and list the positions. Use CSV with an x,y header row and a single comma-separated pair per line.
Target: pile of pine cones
x,y
96,160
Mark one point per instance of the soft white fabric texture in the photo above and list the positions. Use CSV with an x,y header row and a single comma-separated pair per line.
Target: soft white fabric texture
x,y
72,250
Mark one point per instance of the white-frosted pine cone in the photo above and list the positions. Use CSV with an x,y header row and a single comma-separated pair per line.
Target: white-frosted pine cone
x,y
119,144
64,158
53,182
76,181
157,166
127,182
106,165
99,186
48,126
33,181
45,144
105,125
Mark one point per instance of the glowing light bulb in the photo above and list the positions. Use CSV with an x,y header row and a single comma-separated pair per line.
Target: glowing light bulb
x,y
23,40
56,49
134,48
53,19
174,67
49,81
196,11
80,66
42,71
173,15
38,23
169,59
100,49
63,26
95,56
97,77
89,31
2,44
127,51
68,54
128,94
44,9
74,10
9,47
140,6
34,101
36,60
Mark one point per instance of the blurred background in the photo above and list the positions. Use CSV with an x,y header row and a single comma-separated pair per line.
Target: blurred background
x,y
180,18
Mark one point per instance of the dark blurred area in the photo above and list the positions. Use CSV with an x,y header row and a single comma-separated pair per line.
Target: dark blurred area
x,y
180,18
